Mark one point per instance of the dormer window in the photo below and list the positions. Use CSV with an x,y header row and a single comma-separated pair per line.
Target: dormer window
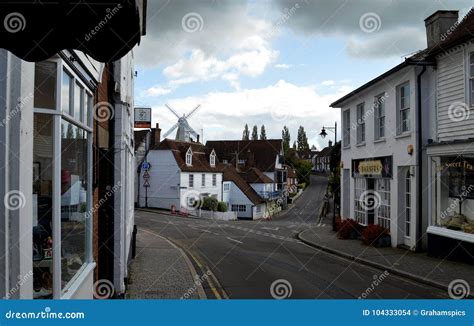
x,y
212,158
189,157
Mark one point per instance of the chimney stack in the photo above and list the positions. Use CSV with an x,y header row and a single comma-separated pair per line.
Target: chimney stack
x,y
439,25
330,143
197,139
156,134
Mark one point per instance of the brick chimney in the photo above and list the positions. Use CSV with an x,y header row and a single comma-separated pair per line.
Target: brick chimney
x,y
330,143
439,24
156,135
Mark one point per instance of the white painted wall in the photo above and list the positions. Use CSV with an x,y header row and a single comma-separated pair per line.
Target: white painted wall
x,y
164,180
392,145
186,190
236,197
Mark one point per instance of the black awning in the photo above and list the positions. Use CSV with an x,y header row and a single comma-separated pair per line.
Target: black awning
x,y
106,30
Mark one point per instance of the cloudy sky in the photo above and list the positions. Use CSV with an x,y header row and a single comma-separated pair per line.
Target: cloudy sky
x,y
272,62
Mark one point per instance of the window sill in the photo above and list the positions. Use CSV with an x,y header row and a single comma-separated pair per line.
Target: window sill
x,y
360,144
79,280
381,140
404,135
458,235
347,147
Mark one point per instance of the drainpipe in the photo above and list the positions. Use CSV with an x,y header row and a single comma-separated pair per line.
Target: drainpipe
x,y
419,175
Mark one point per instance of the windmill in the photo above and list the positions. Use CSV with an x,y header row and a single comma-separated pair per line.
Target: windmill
x,y
184,131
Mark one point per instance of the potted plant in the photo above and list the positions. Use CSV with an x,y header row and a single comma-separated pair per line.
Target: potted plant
x,y
349,229
376,235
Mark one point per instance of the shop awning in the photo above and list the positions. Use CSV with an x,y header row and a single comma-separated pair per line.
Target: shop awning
x,y
104,29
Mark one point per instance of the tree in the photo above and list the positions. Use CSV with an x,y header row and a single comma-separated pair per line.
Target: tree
x,y
246,133
255,133
303,145
294,145
263,133
285,136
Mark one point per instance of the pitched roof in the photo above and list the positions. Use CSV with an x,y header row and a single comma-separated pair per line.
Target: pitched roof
x,y
257,153
254,175
231,174
200,162
326,151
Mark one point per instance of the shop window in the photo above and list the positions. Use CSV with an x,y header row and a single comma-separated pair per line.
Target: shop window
x,y
74,206
67,92
471,78
61,179
359,205
453,194
43,206
45,85
382,210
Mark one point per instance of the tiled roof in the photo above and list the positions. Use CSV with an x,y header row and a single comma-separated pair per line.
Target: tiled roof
x,y
200,162
254,175
231,174
261,154
326,151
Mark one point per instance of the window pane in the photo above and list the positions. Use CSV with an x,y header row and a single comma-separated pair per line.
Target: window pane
x,y
45,85
42,206
74,206
79,103
66,89
89,110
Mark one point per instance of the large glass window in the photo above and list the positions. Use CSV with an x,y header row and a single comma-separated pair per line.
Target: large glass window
x,y
453,193
43,206
74,204
382,210
61,178
45,85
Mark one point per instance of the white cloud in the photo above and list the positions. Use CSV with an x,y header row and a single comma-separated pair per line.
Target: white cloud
x,y
328,82
223,114
283,66
156,91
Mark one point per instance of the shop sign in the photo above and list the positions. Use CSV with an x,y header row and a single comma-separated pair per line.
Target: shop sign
x,y
380,167
142,117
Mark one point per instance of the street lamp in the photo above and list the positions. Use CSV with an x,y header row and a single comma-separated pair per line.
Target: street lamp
x,y
323,134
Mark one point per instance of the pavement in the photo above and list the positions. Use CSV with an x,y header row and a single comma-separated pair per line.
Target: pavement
x,y
162,271
253,259
408,264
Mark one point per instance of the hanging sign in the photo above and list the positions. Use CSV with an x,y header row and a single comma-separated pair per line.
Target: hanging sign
x,y
377,167
142,117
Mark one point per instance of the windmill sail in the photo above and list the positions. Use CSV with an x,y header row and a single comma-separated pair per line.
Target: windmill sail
x,y
184,130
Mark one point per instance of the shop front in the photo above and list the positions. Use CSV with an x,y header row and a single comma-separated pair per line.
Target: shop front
x,y
451,190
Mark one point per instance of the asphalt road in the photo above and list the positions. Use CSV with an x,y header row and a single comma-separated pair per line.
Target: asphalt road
x,y
247,257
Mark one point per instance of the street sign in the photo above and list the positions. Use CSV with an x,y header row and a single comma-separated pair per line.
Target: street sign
x,y
142,117
146,184
146,166
146,175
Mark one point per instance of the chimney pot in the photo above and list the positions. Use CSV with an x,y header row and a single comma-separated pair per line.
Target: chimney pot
x,y
157,134
439,25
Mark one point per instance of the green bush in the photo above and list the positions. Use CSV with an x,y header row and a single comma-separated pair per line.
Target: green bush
x,y
209,204
302,185
221,207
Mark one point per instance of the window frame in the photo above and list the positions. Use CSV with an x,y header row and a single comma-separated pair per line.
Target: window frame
x,y
346,127
203,180
360,115
470,76
214,179
212,159
58,116
189,157
401,110
379,116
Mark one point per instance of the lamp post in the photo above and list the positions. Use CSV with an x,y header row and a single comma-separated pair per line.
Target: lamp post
x,y
323,134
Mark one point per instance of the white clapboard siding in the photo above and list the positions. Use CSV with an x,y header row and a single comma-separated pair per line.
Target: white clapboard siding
x,y
451,89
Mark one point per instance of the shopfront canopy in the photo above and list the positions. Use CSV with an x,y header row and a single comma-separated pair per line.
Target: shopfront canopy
x,y
106,30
